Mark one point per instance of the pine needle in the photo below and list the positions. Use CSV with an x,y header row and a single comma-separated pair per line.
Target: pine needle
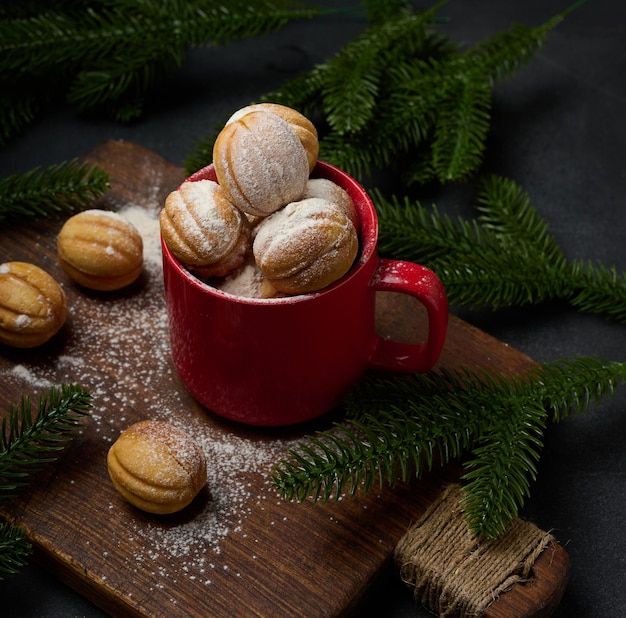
x,y
506,52
54,190
107,56
399,427
460,130
599,289
19,106
570,386
503,258
403,92
14,550
28,441
353,79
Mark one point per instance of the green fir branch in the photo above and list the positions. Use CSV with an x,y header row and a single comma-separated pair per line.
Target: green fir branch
x,y
402,97
360,71
19,106
418,105
14,550
476,267
508,51
107,55
105,29
350,88
460,129
28,441
407,228
54,190
503,463
399,427
505,257
599,289
506,210
571,386
353,79
337,93
120,87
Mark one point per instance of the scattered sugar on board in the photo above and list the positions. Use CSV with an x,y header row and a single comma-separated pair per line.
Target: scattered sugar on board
x,y
26,375
102,330
147,224
196,544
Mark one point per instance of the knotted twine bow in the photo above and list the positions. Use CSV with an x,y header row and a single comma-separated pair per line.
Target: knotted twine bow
x,y
456,574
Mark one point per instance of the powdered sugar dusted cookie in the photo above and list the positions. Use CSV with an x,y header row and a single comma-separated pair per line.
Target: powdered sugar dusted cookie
x,y
302,126
157,467
33,306
305,246
260,163
100,250
204,229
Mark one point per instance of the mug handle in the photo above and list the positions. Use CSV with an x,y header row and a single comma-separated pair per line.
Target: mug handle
x,y
423,284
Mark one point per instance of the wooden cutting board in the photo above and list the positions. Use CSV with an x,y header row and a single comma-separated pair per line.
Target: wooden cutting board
x,y
239,550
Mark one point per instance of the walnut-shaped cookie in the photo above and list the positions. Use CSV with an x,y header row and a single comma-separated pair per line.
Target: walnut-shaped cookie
x,y
260,163
301,125
305,246
100,250
204,229
157,467
33,306
328,190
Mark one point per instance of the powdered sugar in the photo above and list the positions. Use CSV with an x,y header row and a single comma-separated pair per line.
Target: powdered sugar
x,y
26,375
23,320
147,223
106,214
247,282
261,163
312,237
327,190
117,346
200,224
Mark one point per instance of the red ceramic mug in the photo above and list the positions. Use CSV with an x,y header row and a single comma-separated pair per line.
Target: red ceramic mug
x,y
283,361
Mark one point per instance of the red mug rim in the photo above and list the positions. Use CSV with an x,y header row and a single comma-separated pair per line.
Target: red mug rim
x,y
367,243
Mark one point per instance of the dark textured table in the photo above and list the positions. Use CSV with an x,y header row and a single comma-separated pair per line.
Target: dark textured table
x,y
559,130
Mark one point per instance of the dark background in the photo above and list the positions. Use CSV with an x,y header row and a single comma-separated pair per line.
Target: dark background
x,y
559,130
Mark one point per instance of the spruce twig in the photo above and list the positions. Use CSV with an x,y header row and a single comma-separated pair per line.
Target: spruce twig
x,y
599,289
57,190
108,55
27,442
424,106
400,427
14,550
402,97
19,106
503,258
344,91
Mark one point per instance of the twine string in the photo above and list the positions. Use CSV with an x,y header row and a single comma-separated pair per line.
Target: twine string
x,y
456,574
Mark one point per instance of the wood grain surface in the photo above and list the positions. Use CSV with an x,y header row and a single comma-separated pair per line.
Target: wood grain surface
x,y
239,550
